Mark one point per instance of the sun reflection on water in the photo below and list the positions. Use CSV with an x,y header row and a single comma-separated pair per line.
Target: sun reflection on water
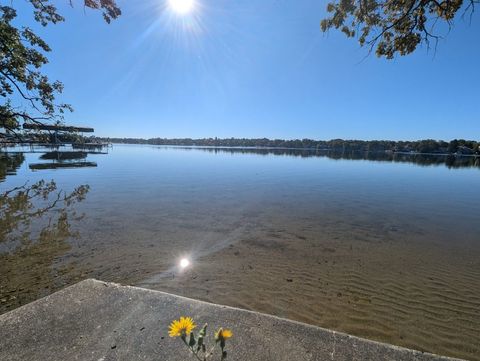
x,y
184,263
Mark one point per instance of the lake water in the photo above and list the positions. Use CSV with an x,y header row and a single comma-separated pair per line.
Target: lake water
x,y
386,249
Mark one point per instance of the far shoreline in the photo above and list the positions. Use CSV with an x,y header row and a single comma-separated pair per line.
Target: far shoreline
x,y
299,149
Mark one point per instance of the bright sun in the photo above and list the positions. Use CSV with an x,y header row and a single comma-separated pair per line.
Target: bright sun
x,y
181,6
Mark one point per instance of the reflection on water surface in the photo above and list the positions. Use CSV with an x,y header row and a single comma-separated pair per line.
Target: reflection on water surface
x,y
35,226
9,164
449,160
383,246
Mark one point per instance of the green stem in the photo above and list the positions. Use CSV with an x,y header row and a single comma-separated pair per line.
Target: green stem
x,y
210,353
191,349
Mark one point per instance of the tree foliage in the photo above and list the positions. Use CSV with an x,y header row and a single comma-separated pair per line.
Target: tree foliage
x,y
27,94
421,146
394,26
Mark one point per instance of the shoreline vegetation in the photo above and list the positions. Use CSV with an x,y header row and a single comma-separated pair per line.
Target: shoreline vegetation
x,y
426,146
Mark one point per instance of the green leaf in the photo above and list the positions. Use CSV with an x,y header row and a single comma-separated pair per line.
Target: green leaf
x,y
192,340
203,331
201,336
199,342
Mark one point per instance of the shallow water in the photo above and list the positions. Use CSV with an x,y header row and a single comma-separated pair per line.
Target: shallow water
x,y
387,248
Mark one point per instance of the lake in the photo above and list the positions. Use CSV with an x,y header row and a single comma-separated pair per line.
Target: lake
x,y
385,247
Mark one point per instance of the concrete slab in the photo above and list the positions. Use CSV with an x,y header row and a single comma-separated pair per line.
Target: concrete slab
x,y
99,321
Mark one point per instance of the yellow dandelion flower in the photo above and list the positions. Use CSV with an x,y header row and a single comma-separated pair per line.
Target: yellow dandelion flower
x,y
223,334
181,327
227,334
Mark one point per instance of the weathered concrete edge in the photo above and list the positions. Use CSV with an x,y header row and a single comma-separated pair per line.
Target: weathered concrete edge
x,y
302,324
137,290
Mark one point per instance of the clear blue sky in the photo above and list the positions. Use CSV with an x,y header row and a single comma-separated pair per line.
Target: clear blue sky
x,y
251,68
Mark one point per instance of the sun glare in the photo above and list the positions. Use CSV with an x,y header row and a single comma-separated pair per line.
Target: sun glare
x,y
181,6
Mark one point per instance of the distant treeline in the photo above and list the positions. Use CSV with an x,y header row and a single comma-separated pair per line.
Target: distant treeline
x,y
460,146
